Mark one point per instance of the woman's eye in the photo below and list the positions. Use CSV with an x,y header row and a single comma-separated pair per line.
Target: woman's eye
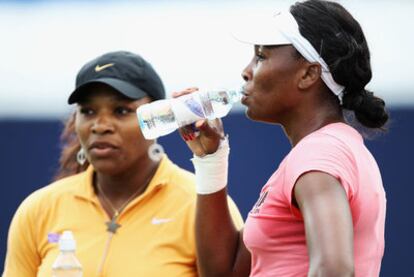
x,y
259,57
122,110
86,111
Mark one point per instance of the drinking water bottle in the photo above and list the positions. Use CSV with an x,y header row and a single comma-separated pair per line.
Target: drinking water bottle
x,y
162,117
66,263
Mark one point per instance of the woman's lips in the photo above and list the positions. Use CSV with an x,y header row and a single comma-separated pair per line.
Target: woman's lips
x,y
102,149
102,152
244,98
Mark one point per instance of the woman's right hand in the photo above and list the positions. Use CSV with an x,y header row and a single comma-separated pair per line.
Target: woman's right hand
x,y
203,137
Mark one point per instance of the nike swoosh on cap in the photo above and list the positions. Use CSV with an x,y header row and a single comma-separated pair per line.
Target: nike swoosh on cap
x,y
102,67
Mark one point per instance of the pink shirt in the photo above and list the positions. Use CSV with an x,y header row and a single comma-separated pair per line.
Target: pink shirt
x,y
274,231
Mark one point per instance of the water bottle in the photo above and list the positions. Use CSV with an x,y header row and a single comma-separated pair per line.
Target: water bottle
x,y
162,117
66,264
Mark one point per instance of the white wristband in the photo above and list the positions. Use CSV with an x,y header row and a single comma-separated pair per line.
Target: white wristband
x,y
211,170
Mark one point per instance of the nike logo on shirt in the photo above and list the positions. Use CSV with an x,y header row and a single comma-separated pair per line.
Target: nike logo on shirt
x,y
157,221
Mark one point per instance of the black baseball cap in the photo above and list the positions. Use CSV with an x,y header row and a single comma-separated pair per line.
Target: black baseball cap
x,y
124,71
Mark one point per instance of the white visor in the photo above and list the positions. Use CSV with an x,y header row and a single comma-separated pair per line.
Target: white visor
x,y
282,29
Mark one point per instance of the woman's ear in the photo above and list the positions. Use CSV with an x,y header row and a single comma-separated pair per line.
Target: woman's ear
x,y
311,73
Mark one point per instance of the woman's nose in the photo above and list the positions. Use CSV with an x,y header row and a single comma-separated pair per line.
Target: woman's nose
x,y
247,73
102,125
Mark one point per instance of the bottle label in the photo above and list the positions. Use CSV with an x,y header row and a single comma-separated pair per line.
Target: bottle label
x,y
156,119
188,109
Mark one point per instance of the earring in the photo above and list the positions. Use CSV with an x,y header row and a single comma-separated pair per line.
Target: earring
x,y
81,156
155,152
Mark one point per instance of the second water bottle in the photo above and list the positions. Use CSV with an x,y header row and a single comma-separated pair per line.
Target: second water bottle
x,y
66,263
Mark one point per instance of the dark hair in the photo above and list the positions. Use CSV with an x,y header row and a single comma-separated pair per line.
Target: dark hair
x,y
338,37
68,164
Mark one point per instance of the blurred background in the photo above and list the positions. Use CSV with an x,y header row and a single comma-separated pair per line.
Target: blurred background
x,y
43,44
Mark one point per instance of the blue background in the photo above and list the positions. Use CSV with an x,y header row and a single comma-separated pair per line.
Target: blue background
x,y
30,150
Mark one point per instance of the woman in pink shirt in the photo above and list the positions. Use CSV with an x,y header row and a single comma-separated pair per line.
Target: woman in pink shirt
x,y
322,212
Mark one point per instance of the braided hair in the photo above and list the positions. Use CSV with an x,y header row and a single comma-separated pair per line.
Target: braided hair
x,y
329,27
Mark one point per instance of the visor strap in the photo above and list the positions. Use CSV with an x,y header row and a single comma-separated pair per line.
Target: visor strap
x,y
288,26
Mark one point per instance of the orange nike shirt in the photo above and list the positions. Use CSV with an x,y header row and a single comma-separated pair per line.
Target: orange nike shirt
x,y
156,237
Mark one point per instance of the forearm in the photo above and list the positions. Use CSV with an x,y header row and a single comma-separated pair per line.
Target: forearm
x,y
219,245
217,237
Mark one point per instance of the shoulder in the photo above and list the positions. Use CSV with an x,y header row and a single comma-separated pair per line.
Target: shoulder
x,y
330,150
176,178
47,196
334,134
332,142
60,187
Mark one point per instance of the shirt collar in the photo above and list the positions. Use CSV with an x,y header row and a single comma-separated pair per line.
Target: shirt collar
x,y
85,189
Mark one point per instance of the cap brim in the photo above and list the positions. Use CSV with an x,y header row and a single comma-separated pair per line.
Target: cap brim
x,y
121,86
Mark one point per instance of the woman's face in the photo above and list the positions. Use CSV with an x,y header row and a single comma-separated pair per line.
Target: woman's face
x,y
271,83
108,130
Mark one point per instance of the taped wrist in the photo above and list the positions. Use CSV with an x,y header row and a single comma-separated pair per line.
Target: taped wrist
x,y
211,170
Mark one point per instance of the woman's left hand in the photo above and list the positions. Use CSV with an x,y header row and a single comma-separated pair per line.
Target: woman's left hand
x,y
203,137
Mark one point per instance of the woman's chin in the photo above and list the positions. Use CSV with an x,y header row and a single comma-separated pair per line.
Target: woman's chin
x,y
249,114
107,166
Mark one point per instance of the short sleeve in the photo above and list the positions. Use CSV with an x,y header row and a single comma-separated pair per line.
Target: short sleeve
x,y
22,257
322,153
